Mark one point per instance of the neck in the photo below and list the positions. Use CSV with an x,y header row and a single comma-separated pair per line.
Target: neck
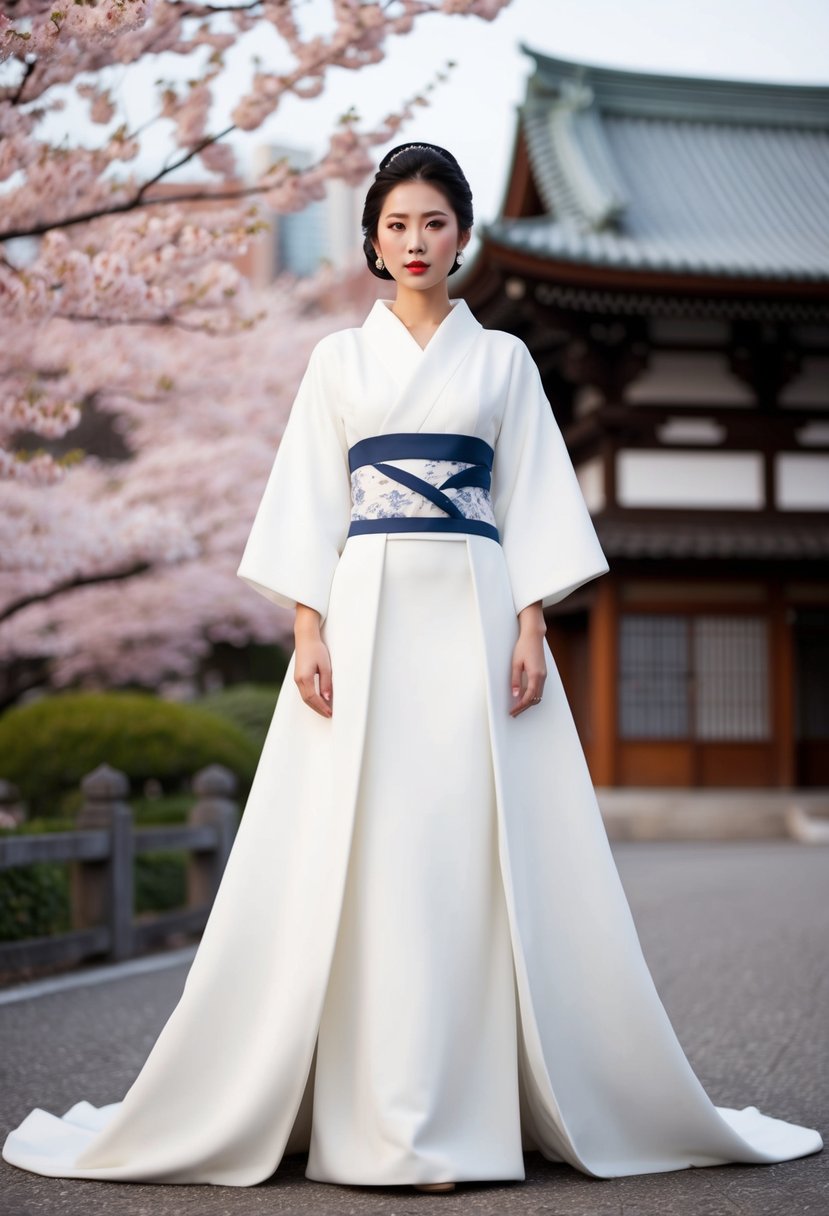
x,y
422,308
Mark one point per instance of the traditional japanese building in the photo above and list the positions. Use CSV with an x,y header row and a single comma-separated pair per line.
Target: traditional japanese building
x,y
663,250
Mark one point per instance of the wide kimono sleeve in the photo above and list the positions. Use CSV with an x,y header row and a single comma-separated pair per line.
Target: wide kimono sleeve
x,y
302,521
547,535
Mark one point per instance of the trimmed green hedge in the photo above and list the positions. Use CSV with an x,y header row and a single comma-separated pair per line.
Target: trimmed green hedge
x,y
160,881
47,746
248,706
34,899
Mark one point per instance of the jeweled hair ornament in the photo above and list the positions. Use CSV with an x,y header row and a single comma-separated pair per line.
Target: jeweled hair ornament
x,y
395,152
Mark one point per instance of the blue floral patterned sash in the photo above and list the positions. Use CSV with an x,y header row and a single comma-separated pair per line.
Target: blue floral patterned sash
x,y
437,482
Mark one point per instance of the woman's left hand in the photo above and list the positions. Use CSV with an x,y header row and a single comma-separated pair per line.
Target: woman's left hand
x,y
528,657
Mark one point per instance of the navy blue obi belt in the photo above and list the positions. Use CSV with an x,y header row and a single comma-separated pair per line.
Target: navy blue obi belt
x,y
438,483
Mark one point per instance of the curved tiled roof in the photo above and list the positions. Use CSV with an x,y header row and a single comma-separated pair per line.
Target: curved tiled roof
x,y
680,174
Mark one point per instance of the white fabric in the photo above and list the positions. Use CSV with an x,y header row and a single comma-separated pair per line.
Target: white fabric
x,y
229,1085
416,1069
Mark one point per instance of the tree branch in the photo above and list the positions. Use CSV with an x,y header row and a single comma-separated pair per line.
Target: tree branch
x,y
40,597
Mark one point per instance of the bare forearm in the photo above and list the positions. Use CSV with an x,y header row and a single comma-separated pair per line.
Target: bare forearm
x,y
531,619
306,622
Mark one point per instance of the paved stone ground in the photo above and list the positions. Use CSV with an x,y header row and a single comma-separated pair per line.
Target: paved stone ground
x,y
737,937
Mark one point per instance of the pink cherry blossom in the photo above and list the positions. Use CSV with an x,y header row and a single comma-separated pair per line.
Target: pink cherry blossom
x,y
130,330
202,433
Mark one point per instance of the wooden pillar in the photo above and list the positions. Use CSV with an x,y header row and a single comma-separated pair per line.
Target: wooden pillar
x,y
603,649
782,686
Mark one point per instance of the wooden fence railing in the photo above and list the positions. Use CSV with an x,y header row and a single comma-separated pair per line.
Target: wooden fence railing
x,y
100,853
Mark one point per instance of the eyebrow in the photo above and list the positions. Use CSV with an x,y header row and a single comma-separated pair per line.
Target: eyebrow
x,y
404,215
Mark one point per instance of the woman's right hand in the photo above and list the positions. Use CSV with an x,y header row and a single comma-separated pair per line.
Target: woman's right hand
x,y
311,659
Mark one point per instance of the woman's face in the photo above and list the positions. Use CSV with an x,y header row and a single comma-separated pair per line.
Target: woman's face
x,y
417,224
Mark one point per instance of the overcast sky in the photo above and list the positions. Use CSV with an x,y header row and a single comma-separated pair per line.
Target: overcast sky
x,y
473,114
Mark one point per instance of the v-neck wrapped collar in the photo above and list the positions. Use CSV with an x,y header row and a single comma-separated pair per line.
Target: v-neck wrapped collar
x,y
419,373
382,314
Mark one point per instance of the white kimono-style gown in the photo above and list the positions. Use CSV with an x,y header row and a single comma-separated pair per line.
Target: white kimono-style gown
x,y
420,960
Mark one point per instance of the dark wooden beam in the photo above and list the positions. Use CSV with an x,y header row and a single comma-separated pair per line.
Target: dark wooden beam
x,y
746,429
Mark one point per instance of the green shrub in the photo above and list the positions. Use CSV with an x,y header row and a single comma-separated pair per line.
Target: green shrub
x,y
248,706
160,881
161,811
47,746
34,901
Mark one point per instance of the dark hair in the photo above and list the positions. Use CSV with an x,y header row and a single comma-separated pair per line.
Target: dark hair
x,y
415,162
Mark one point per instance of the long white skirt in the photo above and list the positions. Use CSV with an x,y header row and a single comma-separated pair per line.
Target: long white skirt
x,y
389,947
417,1060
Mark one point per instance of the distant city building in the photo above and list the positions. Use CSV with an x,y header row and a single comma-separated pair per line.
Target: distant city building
x,y
663,250
325,231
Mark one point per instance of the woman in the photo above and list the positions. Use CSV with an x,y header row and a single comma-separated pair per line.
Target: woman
x,y
420,960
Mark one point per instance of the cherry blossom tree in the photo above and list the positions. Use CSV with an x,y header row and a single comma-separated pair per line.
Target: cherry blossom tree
x,y
203,434
104,252
121,301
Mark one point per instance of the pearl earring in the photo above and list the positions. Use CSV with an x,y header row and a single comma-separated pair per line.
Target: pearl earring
x,y
378,262
459,256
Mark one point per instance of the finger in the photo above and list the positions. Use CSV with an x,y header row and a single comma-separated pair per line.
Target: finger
x,y
308,692
515,676
531,695
326,686
522,703
515,679
316,702
306,685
